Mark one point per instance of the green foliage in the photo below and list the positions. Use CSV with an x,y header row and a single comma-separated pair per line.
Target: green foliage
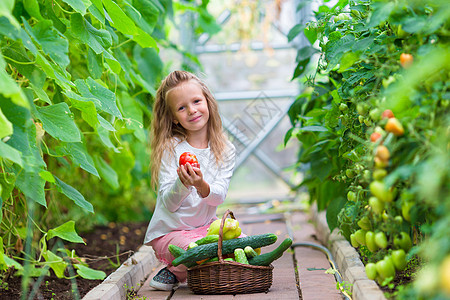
x,y
350,153
77,80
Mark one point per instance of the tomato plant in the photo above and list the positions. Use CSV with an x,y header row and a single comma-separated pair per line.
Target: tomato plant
x,y
391,134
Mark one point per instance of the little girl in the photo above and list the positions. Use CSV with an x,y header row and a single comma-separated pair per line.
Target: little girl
x,y
186,119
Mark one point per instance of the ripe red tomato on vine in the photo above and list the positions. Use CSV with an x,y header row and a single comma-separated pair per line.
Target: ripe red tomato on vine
x,y
387,114
188,157
375,136
406,60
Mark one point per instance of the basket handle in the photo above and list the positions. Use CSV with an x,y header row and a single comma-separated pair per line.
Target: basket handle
x,y
219,249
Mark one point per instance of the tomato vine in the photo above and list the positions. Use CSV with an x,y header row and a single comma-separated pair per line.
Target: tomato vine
x,y
373,123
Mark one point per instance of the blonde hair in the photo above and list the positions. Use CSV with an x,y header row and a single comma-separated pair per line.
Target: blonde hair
x,y
164,130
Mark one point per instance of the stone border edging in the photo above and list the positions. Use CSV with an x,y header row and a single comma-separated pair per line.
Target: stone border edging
x,y
347,259
129,276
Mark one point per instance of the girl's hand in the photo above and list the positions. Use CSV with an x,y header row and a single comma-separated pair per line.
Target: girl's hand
x,y
193,176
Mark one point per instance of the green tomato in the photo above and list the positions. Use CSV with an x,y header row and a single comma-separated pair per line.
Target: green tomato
x,y
355,13
343,107
381,240
399,259
364,223
379,190
377,205
398,219
362,108
353,241
380,130
406,209
350,173
385,268
375,114
371,271
401,33
403,241
366,175
360,236
344,16
361,119
351,196
379,174
387,81
370,241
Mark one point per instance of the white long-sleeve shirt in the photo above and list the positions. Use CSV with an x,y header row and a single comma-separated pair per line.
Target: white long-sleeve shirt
x,y
181,208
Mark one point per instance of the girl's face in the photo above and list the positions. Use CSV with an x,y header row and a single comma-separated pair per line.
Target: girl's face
x,y
189,106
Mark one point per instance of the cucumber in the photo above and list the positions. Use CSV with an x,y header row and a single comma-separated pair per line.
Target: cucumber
x,y
192,245
176,251
210,250
239,256
214,238
249,252
267,258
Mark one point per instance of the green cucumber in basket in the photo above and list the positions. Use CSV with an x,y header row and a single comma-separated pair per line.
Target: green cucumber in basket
x,y
176,251
213,238
267,258
210,250
250,252
239,256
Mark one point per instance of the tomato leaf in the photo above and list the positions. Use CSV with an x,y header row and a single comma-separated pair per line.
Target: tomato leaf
x,y
381,12
294,31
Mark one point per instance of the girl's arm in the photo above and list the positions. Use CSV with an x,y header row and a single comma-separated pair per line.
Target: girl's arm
x,y
218,188
171,190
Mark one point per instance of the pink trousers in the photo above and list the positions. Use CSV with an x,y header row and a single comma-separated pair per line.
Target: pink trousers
x,y
180,238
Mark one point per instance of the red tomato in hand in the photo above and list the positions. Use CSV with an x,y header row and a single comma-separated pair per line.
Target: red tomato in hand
x,y
190,158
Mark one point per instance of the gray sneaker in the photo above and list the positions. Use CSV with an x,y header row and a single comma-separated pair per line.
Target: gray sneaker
x,y
164,280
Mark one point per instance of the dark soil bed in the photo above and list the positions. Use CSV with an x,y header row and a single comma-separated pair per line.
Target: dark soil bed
x,y
106,248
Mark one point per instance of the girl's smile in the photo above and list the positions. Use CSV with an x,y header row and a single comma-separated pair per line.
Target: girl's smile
x,y
195,119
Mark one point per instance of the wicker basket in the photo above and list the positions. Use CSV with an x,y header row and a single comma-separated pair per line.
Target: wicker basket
x,y
228,277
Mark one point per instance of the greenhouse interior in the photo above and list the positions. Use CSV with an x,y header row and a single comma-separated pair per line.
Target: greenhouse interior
x,y
187,149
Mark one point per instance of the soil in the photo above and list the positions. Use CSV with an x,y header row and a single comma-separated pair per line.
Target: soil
x,y
107,247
